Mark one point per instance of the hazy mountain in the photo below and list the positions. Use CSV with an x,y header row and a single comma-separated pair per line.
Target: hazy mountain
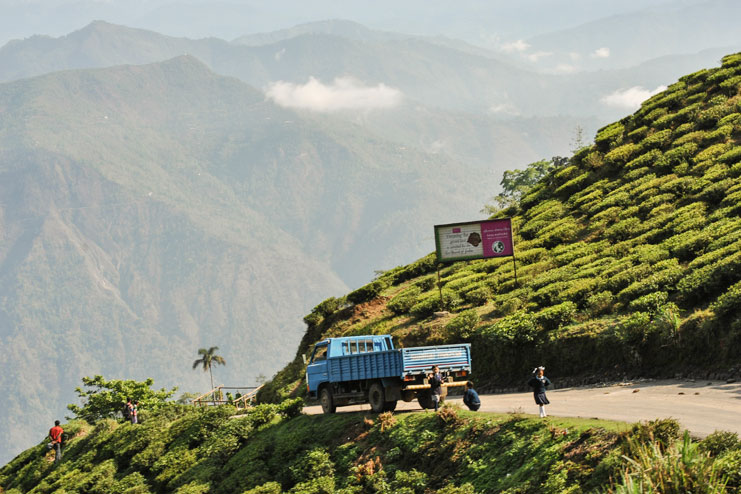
x,y
339,27
437,72
149,210
482,22
628,39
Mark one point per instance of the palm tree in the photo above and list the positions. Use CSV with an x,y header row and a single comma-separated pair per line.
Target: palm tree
x,y
208,358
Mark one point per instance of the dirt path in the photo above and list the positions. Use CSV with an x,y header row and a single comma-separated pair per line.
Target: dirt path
x,y
702,406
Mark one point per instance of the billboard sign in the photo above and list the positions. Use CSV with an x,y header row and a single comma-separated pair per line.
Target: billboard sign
x,y
474,240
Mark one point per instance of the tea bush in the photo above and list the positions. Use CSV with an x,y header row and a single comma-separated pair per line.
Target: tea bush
x,y
554,317
463,325
405,300
366,293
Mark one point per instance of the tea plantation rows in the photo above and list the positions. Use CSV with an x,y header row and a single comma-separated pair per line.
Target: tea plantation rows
x,y
628,258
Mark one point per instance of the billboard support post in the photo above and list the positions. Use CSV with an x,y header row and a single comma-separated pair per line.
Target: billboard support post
x,y
440,287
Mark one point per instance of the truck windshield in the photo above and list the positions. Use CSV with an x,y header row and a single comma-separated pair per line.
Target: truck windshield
x,y
320,353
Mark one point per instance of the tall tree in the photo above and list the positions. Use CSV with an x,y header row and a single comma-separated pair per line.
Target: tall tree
x,y
208,359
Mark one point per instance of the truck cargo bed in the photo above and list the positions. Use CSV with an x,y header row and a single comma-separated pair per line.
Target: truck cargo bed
x,y
419,360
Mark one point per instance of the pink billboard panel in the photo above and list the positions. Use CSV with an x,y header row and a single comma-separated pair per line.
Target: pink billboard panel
x,y
474,240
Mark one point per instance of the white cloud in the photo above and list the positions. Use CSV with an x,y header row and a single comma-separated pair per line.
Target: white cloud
x,y
534,57
504,109
630,98
345,93
519,46
565,68
279,54
603,52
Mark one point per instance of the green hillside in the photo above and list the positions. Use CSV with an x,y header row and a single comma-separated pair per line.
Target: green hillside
x,y
270,450
629,259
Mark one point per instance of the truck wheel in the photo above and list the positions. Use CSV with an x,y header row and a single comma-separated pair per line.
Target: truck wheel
x,y
425,399
389,406
376,398
325,398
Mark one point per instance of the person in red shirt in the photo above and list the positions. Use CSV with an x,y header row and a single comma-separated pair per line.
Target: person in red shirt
x,y
55,434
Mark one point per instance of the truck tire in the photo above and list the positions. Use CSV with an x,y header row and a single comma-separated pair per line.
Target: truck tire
x,y
389,406
327,401
376,398
425,400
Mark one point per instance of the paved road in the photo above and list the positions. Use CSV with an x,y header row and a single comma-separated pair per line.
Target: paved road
x,y
701,406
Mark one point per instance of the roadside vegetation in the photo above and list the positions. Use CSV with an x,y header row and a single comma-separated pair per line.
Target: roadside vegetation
x,y
272,449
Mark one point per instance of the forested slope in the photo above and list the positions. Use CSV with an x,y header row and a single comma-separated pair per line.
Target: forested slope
x,y
628,256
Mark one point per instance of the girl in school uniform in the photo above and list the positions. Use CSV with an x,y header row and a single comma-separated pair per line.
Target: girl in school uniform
x,y
539,382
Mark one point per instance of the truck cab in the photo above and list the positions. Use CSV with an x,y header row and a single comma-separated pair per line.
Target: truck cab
x,y
317,372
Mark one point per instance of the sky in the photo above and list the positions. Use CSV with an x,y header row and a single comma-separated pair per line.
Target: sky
x,y
483,22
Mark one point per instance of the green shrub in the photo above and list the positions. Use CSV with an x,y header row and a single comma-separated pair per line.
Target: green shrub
x,y
680,469
423,266
366,293
518,327
266,488
692,137
678,155
405,300
728,303
719,442
687,245
650,303
291,408
426,283
663,275
600,303
479,295
609,135
657,139
711,278
467,279
729,466
554,317
721,133
731,156
715,193
464,324
574,184
431,303
664,432
709,117
622,154
638,133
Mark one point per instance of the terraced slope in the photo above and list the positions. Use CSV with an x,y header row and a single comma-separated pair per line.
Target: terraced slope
x,y
629,258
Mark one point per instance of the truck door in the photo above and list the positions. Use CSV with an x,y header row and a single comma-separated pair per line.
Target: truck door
x,y
316,371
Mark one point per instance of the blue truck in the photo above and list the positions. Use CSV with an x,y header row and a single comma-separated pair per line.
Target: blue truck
x,y
368,369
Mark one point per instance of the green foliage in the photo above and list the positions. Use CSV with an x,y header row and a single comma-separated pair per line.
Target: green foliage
x,y
405,300
662,432
519,327
432,303
679,469
367,292
105,398
518,183
552,318
610,135
291,408
463,325
719,442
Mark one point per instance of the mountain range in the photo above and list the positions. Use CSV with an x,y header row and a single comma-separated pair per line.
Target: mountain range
x,y
161,194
